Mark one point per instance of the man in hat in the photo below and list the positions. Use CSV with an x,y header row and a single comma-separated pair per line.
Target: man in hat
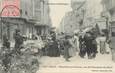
x,y
18,40
6,43
87,45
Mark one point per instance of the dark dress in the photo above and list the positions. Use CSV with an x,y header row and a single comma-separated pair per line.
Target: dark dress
x,y
53,50
18,42
6,43
85,45
67,45
94,45
82,47
88,43
91,45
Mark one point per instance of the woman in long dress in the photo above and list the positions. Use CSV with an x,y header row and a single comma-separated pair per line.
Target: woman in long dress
x,y
69,50
72,49
53,50
66,48
76,42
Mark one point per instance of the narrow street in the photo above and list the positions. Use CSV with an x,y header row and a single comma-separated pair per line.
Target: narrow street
x,y
77,64
57,36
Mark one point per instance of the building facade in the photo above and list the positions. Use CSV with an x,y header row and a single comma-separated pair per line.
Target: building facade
x,y
37,12
108,11
41,13
21,22
34,18
109,7
73,20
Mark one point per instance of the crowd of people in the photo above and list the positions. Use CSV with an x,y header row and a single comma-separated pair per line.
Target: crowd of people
x,y
83,44
12,59
80,43
65,44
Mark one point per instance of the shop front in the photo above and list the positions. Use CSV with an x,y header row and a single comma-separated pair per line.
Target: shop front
x,y
42,30
9,25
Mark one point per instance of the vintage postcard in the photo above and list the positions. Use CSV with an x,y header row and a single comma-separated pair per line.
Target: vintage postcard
x,y
57,36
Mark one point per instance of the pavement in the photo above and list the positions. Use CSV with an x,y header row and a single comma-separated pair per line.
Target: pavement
x,y
77,65
101,64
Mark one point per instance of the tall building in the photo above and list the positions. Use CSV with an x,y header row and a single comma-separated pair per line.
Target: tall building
x,y
108,6
94,8
22,21
108,10
41,14
93,12
73,20
38,11
34,18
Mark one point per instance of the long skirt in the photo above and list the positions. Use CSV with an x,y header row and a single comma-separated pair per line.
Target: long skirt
x,y
69,52
53,50
66,52
72,51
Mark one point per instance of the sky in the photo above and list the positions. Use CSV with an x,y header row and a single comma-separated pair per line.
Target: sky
x,y
58,11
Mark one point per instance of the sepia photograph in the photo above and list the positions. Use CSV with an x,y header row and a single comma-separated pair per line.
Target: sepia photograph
x,y
57,36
